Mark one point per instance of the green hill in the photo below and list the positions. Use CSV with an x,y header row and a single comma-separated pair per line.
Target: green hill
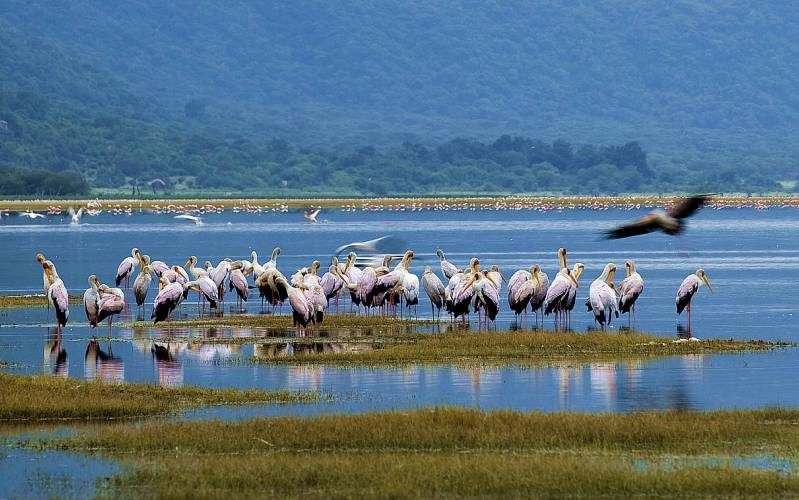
x,y
117,90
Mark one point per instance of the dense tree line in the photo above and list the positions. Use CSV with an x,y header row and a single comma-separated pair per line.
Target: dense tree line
x,y
87,148
41,183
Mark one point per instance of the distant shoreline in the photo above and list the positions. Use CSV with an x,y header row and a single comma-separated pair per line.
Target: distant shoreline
x,y
399,203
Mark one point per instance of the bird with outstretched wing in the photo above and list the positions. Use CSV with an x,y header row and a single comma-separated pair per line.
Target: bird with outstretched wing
x,y
671,222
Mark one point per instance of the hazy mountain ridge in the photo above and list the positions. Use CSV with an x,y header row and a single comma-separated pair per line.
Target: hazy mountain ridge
x,y
704,88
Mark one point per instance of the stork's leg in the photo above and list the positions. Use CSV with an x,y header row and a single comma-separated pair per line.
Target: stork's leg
x,y
689,319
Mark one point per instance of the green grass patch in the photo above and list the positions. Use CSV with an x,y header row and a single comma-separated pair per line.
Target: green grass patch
x,y
453,452
21,301
39,398
521,348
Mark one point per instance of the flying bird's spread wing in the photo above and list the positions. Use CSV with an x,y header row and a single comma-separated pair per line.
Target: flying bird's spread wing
x,y
688,206
382,245
644,225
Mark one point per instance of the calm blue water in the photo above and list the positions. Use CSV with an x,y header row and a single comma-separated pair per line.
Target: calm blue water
x,y
752,258
26,473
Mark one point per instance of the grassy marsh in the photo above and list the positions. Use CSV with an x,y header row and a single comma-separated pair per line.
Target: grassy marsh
x,y
22,301
39,398
452,452
521,348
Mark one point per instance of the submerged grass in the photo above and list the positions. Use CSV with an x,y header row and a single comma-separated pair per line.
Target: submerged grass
x,y
21,301
451,452
521,348
38,398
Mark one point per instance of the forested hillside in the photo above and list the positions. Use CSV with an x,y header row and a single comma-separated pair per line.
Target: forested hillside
x,y
404,97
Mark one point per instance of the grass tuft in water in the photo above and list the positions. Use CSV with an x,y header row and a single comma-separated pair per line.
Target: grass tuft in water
x,y
37,398
522,348
453,452
21,301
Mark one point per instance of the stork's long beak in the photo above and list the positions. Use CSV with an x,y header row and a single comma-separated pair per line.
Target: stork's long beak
x,y
611,275
707,282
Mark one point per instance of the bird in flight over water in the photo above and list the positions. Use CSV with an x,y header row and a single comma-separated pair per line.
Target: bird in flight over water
x,y
671,222
310,215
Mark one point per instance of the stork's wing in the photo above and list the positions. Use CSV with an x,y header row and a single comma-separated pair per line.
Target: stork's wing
x,y
687,206
644,225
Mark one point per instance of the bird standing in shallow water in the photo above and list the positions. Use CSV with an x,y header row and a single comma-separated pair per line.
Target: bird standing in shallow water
x,y
524,289
558,292
47,277
448,268
169,297
142,284
126,267
435,291
112,301
57,295
91,301
630,289
688,289
602,300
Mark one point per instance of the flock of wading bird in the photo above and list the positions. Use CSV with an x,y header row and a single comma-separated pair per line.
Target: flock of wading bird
x,y
379,287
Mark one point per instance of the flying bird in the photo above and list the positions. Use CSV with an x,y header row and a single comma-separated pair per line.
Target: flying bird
x,y
382,245
671,222
190,218
32,215
310,215
75,216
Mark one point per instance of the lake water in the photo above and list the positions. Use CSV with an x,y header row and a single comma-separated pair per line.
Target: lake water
x,y
751,256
